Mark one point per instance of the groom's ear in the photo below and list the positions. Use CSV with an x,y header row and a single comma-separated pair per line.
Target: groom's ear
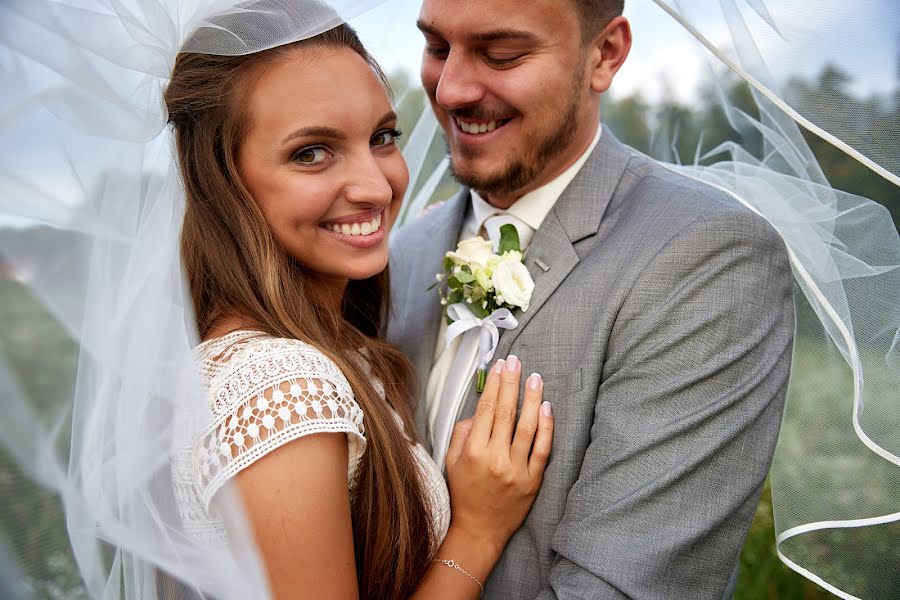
x,y
607,53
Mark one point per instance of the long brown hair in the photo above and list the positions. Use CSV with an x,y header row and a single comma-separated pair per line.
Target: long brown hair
x,y
235,267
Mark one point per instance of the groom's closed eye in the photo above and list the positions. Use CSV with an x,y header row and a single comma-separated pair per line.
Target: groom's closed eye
x,y
502,59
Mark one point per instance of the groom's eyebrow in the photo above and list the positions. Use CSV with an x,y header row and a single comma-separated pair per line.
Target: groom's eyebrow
x,y
503,34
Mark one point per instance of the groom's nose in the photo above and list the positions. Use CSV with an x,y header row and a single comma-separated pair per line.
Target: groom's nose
x,y
459,83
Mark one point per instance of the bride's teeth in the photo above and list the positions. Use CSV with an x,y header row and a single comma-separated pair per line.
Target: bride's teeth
x,y
492,126
367,228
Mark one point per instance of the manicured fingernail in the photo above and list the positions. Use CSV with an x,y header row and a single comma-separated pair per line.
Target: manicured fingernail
x,y
498,366
534,382
546,409
512,363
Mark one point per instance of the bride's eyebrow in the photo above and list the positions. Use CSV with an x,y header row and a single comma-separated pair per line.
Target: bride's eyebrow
x,y
388,117
332,133
315,131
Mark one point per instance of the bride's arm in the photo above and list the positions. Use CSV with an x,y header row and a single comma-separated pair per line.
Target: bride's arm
x,y
494,469
297,504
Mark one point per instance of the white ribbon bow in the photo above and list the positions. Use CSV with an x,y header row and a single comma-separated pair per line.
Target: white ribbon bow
x,y
464,319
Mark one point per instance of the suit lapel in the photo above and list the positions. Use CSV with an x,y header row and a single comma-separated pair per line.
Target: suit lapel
x,y
419,315
575,216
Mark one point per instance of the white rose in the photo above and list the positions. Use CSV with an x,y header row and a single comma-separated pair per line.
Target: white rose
x,y
473,251
496,259
513,282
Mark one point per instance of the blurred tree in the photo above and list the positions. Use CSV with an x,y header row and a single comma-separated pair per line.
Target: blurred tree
x,y
672,131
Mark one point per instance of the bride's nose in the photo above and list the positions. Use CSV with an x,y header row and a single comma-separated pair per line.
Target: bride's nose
x,y
368,183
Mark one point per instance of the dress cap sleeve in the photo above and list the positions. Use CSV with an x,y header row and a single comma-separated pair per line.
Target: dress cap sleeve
x,y
264,393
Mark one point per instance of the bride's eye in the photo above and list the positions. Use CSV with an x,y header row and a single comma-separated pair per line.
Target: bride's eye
x,y
311,155
386,137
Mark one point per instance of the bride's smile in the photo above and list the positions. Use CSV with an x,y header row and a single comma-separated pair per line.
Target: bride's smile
x,y
363,230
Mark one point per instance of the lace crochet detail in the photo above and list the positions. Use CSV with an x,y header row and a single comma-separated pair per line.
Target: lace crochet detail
x,y
266,392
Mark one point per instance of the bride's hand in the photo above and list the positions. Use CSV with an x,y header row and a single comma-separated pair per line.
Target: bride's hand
x,y
494,472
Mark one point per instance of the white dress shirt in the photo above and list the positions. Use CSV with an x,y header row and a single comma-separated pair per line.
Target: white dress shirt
x,y
530,210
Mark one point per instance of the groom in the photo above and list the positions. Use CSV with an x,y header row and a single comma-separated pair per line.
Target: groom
x,y
661,319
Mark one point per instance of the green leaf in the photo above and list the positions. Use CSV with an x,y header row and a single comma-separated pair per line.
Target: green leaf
x,y
455,297
464,277
448,264
453,282
509,239
481,313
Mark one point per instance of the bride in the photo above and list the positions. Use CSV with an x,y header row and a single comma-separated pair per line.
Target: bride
x,y
293,179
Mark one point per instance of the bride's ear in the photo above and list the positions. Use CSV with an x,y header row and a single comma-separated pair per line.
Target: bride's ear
x,y
607,53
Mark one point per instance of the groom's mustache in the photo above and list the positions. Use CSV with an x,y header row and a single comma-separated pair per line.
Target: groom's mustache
x,y
482,113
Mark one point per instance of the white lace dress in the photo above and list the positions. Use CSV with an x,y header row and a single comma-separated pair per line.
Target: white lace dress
x,y
264,393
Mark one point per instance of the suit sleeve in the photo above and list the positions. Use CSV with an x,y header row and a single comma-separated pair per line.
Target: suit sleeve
x,y
686,419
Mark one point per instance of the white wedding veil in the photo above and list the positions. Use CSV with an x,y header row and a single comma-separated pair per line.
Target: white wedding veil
x,y
99,397
91,229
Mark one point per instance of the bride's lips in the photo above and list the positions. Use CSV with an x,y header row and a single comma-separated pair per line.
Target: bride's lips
x,y
361,230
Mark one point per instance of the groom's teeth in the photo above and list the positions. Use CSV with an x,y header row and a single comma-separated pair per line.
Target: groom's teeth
x,y
367,228
477,128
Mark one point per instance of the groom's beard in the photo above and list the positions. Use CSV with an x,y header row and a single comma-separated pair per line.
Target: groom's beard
x,y
538,150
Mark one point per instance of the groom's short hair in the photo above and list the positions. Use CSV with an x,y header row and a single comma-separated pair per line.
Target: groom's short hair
x,y
594,14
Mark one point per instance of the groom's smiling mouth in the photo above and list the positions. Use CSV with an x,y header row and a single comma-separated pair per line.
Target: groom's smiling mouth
x,y
479,127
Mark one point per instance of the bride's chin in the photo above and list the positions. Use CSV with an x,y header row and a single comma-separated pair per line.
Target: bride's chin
x,y
360,272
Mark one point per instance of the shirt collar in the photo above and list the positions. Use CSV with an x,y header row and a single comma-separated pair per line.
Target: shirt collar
x,y
532,208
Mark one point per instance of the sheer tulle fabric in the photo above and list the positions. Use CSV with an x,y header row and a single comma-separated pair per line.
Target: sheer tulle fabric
x,y
91,231
102,257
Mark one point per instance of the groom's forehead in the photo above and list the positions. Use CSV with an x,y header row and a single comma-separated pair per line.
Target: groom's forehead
x,y
479,20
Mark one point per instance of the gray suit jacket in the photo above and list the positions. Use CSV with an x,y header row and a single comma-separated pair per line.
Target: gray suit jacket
x,y
662,323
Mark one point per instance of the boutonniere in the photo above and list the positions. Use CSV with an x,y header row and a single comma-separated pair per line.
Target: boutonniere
x,y
480,288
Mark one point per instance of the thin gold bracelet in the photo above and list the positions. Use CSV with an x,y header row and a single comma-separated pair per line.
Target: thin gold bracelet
x,y
453,565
